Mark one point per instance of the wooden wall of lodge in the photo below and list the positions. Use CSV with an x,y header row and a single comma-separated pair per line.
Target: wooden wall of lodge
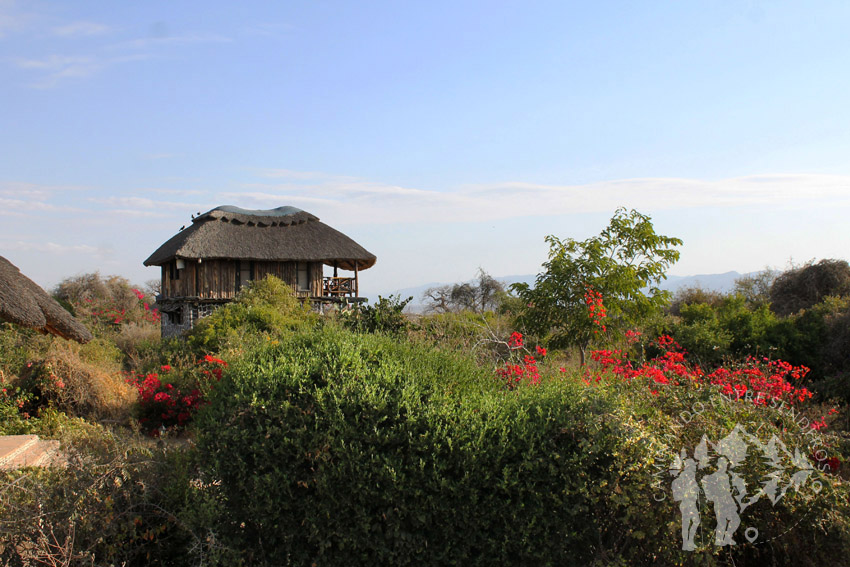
x,y
219,279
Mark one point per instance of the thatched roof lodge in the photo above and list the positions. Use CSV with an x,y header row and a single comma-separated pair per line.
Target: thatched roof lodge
x,y
205,264
23,302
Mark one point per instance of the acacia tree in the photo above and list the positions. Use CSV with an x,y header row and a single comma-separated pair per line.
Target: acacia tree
x,y
477,297
624,264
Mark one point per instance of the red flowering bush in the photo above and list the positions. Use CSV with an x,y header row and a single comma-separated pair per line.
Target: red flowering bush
x,y
164,405
521,365
106,302
760,381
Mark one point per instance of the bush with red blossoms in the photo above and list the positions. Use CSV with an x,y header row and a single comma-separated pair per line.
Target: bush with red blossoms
x,y
521,366
759,381
164,405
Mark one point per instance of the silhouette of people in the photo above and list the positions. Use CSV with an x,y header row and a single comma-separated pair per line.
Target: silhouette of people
x,y
718,491
686,492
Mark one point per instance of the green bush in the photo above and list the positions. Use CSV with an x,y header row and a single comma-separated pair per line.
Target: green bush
x,y
337,448
483,334
352,449
267,307
386,316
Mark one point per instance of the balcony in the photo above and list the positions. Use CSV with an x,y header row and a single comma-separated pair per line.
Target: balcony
x,y
339,287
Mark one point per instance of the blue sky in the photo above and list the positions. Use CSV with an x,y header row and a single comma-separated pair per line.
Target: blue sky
x,y
442,136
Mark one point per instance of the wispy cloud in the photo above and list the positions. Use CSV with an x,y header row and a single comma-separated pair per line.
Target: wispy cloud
x,y
169,40
101,51
61,67
363,201
58,68
139,204
317,176
187,192
80,29
12,17
49,247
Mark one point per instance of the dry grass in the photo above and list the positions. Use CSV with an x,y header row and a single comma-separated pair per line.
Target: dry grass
x,y
94,389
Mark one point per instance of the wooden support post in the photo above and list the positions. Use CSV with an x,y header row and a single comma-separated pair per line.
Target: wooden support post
x,y
335,269
356,281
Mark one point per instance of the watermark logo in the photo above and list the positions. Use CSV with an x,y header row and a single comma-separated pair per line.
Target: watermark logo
x,y
711,473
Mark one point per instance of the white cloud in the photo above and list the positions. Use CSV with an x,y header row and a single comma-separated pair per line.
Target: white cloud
x,y
140,203
20,207
167,40
12,18
80,29
50,247
362,201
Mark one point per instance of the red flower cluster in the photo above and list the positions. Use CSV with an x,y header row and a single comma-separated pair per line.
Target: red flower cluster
x,y
515,341
632,336
595,307
164,405
151,314
517,371
830,465
760,381
514,374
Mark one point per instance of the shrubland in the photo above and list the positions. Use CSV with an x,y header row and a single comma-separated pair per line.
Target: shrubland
x,y
271,435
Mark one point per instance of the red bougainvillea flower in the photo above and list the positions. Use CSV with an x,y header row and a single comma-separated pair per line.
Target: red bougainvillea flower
x,y
540,350
516,340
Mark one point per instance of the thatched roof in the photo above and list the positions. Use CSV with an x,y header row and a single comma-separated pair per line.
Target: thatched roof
x,y
23,302
281,235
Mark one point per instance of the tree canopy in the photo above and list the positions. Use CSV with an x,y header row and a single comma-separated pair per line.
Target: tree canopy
x,y
622,265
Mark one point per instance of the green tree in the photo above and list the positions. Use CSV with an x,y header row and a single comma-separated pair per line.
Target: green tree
x,y
623,264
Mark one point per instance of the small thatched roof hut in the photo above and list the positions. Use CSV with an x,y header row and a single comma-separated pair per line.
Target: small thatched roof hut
x,y
206,264
23,302
284,234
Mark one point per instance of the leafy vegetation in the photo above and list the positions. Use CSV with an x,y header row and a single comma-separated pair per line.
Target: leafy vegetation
x,y
625,258
367,437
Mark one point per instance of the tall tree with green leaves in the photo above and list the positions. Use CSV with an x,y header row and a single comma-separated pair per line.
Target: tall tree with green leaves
x,y
623,265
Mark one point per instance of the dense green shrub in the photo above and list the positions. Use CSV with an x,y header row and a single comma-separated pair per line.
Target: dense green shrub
x,y
483,334
734,327
266,307
335,448
386,316
352,449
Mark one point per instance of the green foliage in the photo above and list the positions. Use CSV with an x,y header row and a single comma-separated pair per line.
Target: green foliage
x,y
336,448
625,258
481,334
386,316
355,449
266,307
735,327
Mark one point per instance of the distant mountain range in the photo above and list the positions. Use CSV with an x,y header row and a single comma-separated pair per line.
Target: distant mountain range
x,y
718,282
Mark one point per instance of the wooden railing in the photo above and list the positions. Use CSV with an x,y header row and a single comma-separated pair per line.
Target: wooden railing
x,y
339,287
